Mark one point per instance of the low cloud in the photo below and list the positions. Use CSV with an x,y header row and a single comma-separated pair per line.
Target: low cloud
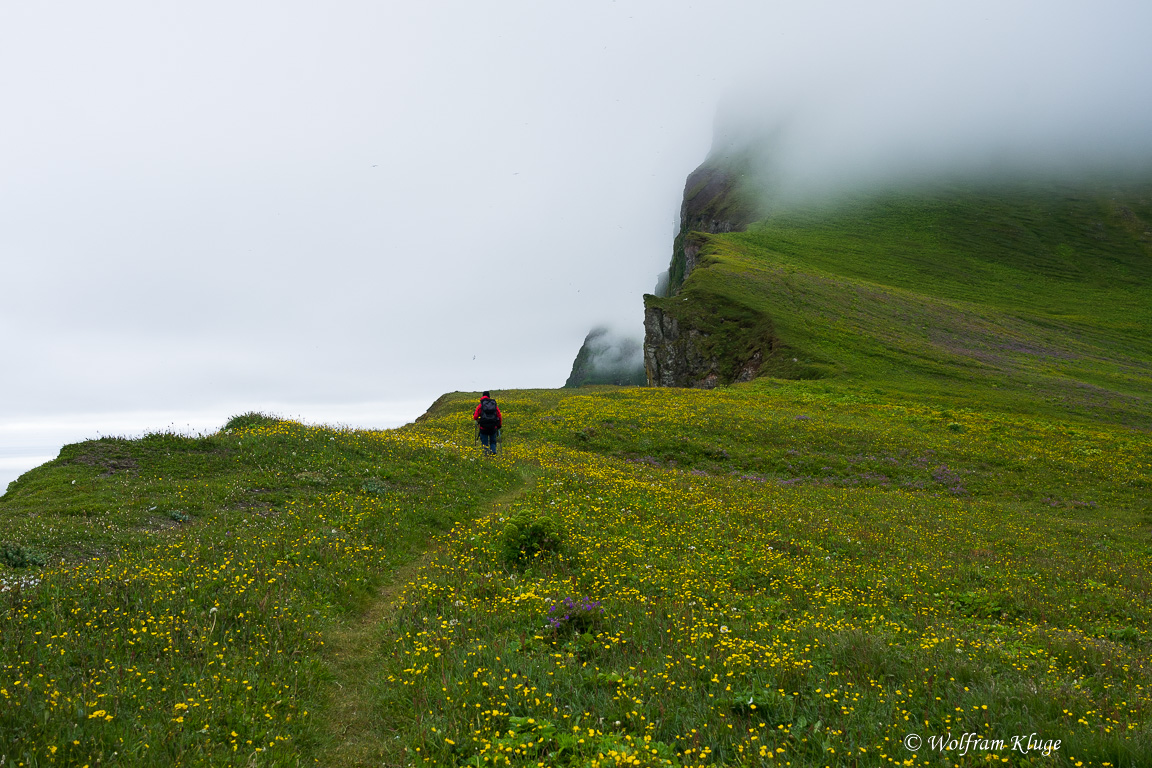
x,y
1051,91
608,356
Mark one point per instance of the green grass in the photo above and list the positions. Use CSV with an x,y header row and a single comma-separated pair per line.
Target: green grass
x,y
191,581
794,566
791,567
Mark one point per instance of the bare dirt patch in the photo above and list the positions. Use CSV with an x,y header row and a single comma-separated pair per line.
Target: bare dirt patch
x,y
110,457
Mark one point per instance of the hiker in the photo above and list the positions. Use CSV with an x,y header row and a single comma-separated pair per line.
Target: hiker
x,y
488,422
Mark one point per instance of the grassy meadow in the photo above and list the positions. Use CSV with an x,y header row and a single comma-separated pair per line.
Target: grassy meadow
x,y
181,589
784,574
780,573
932,548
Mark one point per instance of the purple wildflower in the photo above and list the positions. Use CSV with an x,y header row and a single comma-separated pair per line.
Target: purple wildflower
x,y
577,613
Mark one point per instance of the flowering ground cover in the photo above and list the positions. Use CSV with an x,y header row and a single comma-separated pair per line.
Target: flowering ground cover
x,y
772,574
788,576
186,585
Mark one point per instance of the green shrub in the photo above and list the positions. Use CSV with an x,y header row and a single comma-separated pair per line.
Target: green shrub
x,y
250,420
376,486
527,535
17,556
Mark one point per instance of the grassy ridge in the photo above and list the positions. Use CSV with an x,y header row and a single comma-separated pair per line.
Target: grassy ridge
x,y
180,619
1038,299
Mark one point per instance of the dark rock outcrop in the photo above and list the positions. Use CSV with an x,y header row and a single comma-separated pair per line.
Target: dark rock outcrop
x,y
672,357
713,202
690,348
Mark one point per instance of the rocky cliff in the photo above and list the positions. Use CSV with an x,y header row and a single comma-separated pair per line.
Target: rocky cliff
x,y
698,341
680,354
694,340
725,194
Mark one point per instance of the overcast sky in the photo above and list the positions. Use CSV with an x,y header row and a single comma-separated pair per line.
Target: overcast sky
x,y
332,208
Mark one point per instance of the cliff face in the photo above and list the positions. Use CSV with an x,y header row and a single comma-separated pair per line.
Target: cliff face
x,y
682,347
723,195
675,358
698,338
713,202
700,344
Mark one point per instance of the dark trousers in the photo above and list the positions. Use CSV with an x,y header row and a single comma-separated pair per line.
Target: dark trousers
x,y
488,441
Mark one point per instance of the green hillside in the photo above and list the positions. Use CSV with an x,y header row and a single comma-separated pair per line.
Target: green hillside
x,y
1040,296
927,518
768,574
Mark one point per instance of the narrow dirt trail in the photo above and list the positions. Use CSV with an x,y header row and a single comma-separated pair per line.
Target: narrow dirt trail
x,y
357,733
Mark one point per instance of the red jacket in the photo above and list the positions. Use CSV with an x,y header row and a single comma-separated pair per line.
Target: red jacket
x,y
500,416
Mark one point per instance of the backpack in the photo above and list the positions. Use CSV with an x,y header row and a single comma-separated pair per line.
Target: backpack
x,y
489,414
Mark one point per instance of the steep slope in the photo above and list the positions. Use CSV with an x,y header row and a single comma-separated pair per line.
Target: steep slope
x,y
1044,290
723,195
708,343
